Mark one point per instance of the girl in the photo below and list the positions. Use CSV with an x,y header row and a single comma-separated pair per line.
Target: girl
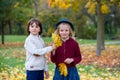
x,y
35,49
69,53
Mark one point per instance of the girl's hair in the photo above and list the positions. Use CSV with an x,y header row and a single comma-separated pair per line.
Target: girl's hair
x,y
37,22
72,34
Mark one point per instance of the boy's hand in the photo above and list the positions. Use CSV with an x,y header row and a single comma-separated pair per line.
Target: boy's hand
x,y
36,55
46,74
53,46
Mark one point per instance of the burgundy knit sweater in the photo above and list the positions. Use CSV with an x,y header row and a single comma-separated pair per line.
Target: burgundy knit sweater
x,y
69,49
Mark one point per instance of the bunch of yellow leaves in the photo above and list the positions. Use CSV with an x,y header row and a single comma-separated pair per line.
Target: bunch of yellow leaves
x,y
91,6
63,69
56,39
105,9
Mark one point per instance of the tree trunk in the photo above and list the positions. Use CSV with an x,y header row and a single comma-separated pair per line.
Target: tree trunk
x,y
100,31
10,27
2,30
36,8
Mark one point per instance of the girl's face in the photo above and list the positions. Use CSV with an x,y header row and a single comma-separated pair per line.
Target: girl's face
x,y
34,29
64,31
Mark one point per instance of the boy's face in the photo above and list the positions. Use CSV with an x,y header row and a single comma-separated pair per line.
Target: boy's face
x,y
64,31
34,29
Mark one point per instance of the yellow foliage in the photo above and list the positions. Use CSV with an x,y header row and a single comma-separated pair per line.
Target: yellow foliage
x,y
51,3
76,5
60,3
119,4
12,74
64,4
91,6
104,9
63,69
16,4
56,39
49,32
88,4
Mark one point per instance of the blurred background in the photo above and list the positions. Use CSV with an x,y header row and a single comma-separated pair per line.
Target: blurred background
x,y
97,30
14,15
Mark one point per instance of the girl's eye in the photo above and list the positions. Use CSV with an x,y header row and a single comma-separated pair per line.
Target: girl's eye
x,y
61,30
66,30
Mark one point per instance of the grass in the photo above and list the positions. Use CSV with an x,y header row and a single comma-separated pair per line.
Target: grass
x,y
12,67
21,38
12,57
14,38
12,60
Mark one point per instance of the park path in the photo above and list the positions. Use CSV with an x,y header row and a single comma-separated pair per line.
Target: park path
x,y
106,43
114,42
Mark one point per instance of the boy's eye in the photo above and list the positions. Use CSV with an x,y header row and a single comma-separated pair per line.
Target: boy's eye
x,y
32,26
37,26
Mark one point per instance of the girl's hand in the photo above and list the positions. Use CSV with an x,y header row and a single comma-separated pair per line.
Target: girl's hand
x,y
46,74
69,60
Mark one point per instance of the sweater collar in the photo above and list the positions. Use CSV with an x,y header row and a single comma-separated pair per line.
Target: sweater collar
x,y
34,35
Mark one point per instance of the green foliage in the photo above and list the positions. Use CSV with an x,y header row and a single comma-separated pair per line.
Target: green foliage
x,y
50,31
48,22
18,12
89,32
13,15
14,38
5,9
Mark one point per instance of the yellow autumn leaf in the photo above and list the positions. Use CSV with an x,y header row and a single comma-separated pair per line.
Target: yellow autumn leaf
x,y
88,4
63,69
105,9
56,39
91,6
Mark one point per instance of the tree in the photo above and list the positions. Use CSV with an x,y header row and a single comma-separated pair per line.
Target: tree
x,y
13,11
94,7
5,9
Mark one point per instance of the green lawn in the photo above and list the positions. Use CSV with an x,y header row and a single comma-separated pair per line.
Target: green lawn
x,y
21,38
12,61
12,67
13,38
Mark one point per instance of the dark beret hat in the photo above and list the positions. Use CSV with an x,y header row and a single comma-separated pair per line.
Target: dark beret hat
x,y
64,20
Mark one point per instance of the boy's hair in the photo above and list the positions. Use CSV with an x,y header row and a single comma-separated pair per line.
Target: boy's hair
x,y
72,34
37,22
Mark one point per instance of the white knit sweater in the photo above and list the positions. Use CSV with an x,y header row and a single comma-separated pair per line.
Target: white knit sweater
x,y
35,45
